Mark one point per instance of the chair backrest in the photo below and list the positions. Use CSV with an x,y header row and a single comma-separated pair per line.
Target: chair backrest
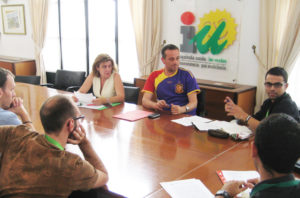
x,y
35,80
65,79
131,94
200,110
50,77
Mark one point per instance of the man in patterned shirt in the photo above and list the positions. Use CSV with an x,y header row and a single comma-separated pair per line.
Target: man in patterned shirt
x,y
37,165
176,89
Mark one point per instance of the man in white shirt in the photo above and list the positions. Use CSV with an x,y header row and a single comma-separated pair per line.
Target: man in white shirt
x,y
11,106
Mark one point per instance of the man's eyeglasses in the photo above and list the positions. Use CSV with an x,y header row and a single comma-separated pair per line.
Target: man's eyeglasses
x,y
276,85
81,117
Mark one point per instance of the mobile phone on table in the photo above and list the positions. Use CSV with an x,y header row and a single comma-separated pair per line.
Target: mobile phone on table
x,y
154,115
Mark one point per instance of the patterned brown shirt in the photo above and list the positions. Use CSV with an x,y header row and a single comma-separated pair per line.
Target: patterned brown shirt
x,y
33,167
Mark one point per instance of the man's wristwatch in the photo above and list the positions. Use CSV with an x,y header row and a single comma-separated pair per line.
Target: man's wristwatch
x,y
247,119
187,108
223,193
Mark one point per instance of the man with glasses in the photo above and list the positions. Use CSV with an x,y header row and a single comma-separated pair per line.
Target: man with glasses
x,y
37,165
278,102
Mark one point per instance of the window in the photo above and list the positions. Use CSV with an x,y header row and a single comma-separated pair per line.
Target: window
x,y
51,51
73,40
128,56
102,31
79,30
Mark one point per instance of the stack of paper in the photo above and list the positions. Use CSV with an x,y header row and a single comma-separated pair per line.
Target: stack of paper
x,y
231,128
192,188
187,121
204,124
84,99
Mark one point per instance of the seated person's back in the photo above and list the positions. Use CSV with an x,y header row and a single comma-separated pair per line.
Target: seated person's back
x,y
36,165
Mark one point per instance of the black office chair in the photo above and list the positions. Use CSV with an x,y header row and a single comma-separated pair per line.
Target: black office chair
x,y
200,110
131,94
50,76
35,80
67,80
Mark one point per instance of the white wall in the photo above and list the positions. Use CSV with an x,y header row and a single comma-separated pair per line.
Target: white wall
x,y
17,45
245,71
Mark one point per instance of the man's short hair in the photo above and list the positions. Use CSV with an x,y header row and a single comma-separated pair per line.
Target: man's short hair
x,y
55,111
278,71
168,47
277,140
3,76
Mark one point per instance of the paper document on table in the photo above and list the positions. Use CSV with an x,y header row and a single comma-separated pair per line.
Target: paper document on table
x,y
192,188
187,121
233,128
226,175
84,99
243,132
203,126
90,106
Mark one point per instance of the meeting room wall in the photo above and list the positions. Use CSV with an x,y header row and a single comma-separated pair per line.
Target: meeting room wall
x,y
17,45
242,66
246,13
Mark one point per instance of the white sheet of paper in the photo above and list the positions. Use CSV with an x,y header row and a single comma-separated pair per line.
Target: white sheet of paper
x,y
192,188
238,176
187,121
84,98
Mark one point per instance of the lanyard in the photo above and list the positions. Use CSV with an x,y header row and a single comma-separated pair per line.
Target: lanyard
x,y
267,114
54,142
281,185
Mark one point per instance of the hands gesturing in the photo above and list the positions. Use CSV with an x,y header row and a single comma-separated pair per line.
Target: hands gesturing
x,y
234,110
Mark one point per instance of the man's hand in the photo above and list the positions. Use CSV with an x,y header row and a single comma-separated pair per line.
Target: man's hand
x,y
176,109
234,187
77,136
252,182
17,106
234,110
160,104
75,99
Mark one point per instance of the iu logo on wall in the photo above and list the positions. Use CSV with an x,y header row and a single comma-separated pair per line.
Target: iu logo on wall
x,y
203,48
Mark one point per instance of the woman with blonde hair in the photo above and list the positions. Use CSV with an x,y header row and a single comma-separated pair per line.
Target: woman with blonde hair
x,y
106,82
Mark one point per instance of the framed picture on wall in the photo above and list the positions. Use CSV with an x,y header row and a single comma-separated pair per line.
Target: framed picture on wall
x,y
13,19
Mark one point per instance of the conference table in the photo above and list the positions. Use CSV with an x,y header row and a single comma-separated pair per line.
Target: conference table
x,y
139,155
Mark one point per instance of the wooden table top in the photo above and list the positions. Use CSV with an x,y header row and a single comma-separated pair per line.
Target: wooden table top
x,y
139,155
